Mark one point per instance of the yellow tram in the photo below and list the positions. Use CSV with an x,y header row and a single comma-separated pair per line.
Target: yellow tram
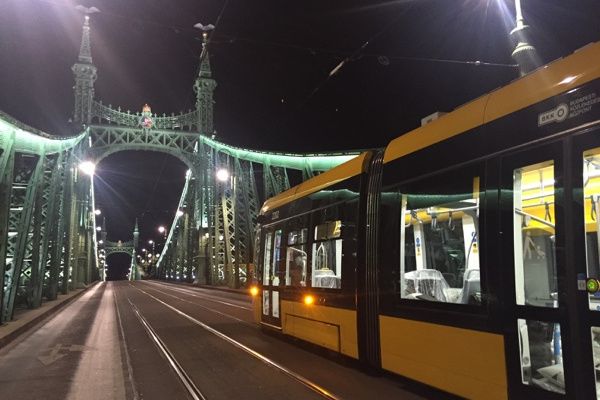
x,y
465,254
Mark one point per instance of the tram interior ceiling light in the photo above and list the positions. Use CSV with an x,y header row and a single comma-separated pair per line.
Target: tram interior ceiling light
x,y
223,175
87,167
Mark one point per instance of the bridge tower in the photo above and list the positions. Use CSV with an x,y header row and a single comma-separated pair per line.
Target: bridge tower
x,y
85,74
136,235
211,239
204,86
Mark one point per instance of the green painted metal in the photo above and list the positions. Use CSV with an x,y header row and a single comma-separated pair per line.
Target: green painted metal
x,y
33,183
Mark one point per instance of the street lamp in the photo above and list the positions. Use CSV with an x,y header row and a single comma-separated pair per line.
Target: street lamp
x,y
87,167
97,212
163,231
223,175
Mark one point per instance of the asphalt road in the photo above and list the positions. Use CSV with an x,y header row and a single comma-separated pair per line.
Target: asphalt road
x,y
154,340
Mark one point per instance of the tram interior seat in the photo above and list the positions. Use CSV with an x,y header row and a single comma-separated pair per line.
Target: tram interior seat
x,y
471,286
326,278
426,284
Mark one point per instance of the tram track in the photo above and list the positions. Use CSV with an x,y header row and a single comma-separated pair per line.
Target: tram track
x,y
193,293
213,310
184,378
192,389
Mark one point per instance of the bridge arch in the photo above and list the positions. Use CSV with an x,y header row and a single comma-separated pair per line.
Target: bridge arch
x,y
110,140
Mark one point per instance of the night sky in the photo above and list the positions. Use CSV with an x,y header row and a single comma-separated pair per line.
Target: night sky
x,y
271,60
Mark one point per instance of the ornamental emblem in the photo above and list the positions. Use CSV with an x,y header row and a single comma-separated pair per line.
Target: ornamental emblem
x,y
146,120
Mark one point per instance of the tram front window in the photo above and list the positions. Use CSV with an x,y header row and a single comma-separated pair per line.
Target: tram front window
x,y
441,246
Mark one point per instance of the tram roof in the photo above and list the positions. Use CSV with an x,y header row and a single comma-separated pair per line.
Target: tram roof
x,y
343,171
547,81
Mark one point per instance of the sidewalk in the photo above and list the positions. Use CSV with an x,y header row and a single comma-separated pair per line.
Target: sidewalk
x,y
24,319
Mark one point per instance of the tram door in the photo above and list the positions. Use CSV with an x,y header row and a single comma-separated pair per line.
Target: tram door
x,y
551,220
271,279
585,174
534,266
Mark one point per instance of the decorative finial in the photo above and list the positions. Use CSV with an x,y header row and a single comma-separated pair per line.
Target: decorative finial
x,y
87,11
205,29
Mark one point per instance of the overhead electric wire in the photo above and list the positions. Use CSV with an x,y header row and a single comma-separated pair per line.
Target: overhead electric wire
x,y
349,56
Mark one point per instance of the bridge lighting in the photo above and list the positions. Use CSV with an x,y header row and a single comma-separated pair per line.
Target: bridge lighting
x,y
161,229
179,213
220,237
143,250
87,167
97,212
98,228
150,241
223,175
100,241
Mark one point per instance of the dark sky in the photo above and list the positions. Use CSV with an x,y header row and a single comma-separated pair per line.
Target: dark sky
x,y
271,60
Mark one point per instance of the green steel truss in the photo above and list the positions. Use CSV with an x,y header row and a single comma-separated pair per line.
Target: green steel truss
x,y
48,241
46,229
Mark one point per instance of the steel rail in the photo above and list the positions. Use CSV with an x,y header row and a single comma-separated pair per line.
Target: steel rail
x,y
299,378
203,307
187,382
180,289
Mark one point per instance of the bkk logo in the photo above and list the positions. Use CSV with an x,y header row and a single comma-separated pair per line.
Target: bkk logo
x,y
558,114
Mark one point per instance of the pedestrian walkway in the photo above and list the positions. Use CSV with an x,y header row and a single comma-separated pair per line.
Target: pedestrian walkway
x,y
26,318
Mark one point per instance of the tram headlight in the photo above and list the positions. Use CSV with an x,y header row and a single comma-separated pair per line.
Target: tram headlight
x,y
254,291
309,299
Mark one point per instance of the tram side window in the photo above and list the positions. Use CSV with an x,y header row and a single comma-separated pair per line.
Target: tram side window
x,y
267,258
276,262
439,239
296,258
534,235
327,255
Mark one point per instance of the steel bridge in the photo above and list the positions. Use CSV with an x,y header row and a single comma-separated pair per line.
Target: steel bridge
x,y
48,234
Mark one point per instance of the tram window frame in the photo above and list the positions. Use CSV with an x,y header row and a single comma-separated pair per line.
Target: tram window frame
x,y
393,249
346,212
